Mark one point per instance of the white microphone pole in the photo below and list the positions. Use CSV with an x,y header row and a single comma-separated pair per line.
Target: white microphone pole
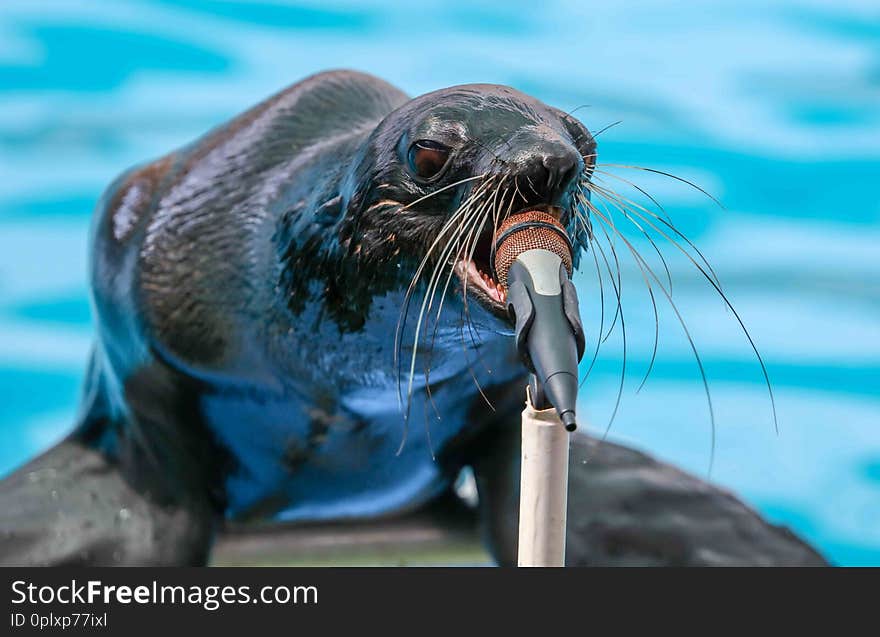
x,y
543,492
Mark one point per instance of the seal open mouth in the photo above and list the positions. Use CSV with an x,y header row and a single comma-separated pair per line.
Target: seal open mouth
x,y
477,271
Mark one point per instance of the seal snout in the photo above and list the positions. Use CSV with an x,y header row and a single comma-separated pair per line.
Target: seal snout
x,y
548,171
561,166
541,178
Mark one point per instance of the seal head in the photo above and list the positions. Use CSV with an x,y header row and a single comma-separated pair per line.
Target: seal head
x,y
435,177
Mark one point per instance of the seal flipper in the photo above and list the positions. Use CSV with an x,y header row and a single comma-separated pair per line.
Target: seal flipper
x,y
72,506
626,508
98,497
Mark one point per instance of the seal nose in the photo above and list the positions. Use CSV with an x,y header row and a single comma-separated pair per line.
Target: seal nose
x,y
550,173
560,167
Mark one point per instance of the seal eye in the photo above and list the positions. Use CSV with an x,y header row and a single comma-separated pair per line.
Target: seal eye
x,y
427,158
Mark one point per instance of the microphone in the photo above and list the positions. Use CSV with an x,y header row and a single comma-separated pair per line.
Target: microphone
x,y
532,258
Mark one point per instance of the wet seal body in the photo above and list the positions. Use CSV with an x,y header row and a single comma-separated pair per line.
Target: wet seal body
x,y
248,290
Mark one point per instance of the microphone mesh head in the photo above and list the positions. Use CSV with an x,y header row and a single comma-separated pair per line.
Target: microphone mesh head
x,y
529,231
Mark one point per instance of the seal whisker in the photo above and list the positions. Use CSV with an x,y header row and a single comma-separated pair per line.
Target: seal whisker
x,y
615,284
384,203
668,223
427,424
587,158
716,285
497,220
602,130
492,202
665,174
462,211
691,342
466,308
452,265
619,313
615,200
453,242
462,225
632,209
469,254
601,314
671,240
460,217
532,185
624,210
639,188
465,221
650,292
430,294
619,286
581,196
649,286
582,189
409,393
443,189
712,277
472,242
577,108
495,209
581,218
517,190
467,322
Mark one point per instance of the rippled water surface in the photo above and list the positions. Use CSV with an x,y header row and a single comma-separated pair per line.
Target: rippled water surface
x,y
774,108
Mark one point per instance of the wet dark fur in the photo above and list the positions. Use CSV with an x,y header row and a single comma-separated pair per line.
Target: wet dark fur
x,y
247,289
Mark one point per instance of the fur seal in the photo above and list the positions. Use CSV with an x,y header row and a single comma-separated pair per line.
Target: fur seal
x,y
271,299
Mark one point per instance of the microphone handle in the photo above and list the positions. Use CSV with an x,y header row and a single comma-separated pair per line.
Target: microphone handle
x,y
548,328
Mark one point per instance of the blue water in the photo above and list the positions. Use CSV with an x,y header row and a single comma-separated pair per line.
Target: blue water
x,y
774,108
